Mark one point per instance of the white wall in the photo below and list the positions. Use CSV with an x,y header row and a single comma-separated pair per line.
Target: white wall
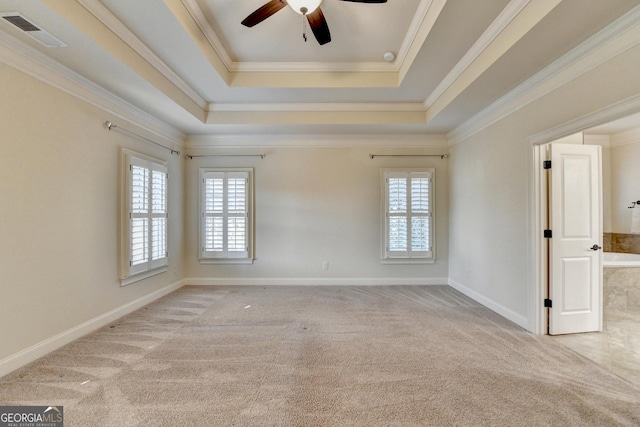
x,y
625,185
490,204
59,197
607,203
604,141
315,205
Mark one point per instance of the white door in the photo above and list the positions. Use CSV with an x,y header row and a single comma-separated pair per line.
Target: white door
x,y
575,255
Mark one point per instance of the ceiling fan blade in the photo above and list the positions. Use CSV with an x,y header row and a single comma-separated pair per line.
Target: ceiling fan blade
x,y
367,1
263,12
319,26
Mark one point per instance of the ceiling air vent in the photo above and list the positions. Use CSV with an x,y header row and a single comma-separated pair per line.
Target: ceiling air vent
x,y
32,30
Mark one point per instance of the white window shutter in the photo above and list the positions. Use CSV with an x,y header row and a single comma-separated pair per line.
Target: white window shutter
x,y
145,236
213,215
159,216
226,214
237,202
407,214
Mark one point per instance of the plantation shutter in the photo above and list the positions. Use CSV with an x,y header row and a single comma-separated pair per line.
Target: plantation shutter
x,y
225,214
146,234
138,217
408,216
159,216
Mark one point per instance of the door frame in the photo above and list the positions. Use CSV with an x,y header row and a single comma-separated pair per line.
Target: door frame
x,y
537,286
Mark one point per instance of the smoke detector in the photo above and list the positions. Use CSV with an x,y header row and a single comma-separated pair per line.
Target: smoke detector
x,y
27,26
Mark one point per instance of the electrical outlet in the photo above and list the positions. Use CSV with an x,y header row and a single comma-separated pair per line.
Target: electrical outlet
x,y
325,265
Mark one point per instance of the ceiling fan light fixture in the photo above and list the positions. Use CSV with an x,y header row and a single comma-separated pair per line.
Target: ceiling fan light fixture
x,y
304,7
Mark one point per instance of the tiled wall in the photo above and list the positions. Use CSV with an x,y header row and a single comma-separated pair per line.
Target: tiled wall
x,y
622,290
624,243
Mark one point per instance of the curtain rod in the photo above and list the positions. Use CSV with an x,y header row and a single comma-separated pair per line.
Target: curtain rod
x,y
112,126
442,156
188,156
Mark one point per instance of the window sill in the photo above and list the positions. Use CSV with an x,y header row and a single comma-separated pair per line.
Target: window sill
x,y
408,261
144,275
240,261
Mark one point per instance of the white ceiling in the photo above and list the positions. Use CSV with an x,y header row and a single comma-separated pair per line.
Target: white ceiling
x,y
191,64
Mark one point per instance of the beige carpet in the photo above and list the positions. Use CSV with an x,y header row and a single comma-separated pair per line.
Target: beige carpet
x,y
321,356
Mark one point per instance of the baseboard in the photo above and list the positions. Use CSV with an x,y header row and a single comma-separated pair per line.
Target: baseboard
x,y
28,355
307,281
490,304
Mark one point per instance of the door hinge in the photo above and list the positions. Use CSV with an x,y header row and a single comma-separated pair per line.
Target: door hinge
x,y
548,234
547,303
546,164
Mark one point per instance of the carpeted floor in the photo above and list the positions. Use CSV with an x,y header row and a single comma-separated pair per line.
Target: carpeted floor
x,y
321,356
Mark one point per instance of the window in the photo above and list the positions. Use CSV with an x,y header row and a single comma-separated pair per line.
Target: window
x,y
145,217
226,209
408,215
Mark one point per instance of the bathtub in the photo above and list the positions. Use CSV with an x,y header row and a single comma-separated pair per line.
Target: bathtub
x,y
616,259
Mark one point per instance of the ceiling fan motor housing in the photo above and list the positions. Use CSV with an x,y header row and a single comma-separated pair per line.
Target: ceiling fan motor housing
x,y
304,7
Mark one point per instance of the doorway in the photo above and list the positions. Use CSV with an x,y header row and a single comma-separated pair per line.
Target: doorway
x,y
617,347
570,215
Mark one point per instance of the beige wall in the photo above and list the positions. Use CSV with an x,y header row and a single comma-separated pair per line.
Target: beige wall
x,y
315,205
625,185
607,203
59,189
490,201
59,210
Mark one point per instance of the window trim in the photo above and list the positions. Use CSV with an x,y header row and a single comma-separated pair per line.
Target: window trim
x,y
205,257
128,274
385,256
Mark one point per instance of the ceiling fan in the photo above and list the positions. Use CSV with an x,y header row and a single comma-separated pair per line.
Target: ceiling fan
x,y
308,8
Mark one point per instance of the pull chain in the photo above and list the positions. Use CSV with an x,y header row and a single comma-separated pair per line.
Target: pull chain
x,y
304,11
304,28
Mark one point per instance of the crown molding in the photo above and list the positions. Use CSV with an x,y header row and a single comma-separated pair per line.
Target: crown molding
x,y
602,116
192,7
602,140
318,107
395,141
30,61
305,74
314,67
420,28
621,35
318,113
103,14
625,138
529,15
497,26
92,27
252,67
328,117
